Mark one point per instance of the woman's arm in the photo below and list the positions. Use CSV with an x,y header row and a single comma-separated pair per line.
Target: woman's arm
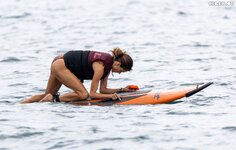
x,y
105,90
98,68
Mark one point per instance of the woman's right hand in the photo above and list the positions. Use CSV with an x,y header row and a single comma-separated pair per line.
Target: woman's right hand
x,y
115,96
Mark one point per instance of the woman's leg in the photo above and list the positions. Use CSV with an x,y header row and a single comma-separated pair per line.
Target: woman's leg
x,y
66,77
53,86
33,99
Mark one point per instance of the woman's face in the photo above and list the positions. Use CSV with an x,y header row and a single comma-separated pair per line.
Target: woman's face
x,y
117,68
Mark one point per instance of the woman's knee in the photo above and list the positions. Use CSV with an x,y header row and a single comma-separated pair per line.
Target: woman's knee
x,y
83,95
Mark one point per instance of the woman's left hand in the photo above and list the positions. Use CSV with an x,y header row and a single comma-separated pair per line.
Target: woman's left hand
x,y
126,89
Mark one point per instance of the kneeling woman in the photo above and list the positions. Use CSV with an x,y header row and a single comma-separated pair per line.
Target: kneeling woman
x,y
73,67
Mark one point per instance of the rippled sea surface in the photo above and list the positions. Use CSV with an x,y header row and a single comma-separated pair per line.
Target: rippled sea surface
x,y
174,44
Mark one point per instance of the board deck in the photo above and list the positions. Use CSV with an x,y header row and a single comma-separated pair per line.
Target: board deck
x,y
143,97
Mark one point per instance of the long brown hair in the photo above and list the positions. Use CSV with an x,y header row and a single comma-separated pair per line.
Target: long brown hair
x,y
121,56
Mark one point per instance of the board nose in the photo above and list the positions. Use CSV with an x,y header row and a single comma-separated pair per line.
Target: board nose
x,y
199,88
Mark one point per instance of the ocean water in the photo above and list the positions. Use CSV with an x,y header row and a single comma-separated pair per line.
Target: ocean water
x,y
174,44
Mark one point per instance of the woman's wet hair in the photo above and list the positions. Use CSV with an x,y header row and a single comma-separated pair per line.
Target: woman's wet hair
x,y
125,60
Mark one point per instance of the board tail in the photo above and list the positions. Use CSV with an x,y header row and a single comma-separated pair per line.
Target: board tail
x,y
199,88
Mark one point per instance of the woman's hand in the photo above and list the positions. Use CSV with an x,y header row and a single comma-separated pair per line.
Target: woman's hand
x,y
128,89
115,96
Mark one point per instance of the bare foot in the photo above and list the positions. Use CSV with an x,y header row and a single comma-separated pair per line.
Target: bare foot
x,y
47,98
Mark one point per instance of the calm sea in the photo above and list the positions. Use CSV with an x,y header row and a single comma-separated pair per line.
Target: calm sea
x,y
174,44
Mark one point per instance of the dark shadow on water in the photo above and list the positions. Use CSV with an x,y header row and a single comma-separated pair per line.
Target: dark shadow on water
x,y
20,16
230,128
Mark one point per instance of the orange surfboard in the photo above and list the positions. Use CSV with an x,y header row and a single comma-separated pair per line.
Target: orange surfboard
x,y
143,97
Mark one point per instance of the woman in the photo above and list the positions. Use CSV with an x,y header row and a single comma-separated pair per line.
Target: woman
x,y
73,67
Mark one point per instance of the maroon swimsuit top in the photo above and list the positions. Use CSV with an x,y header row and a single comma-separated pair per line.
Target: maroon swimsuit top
x,y
106,58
